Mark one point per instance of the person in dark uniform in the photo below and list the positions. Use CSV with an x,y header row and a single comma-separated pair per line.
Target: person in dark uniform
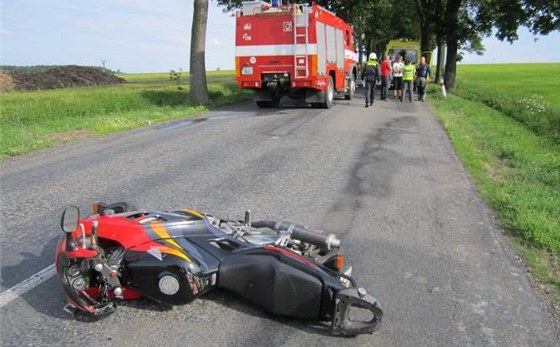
x,y
370,75
423,74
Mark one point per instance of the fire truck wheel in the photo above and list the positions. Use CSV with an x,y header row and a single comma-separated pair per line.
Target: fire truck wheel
x,y
352,87
329,95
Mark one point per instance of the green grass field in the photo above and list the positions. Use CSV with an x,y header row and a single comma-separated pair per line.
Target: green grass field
x,y
161,80
504,122
528,93
38,119
521,80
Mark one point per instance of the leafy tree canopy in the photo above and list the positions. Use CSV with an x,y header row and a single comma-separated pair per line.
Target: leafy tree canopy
x,y
461,24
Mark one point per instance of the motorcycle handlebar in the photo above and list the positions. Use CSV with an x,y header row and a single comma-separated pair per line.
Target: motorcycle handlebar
x,y
301,232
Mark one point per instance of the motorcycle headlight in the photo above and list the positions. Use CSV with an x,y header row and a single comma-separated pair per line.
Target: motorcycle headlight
x,y
247,70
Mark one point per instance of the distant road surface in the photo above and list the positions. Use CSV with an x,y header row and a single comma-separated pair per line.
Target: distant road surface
x,y
385,179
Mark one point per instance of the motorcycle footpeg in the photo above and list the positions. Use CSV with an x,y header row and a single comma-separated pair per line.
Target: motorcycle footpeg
x,y
70,309
343,322
104,310
96,311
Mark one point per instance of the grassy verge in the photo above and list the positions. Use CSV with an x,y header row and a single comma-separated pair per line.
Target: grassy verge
x,y
517,170
38,119
527,93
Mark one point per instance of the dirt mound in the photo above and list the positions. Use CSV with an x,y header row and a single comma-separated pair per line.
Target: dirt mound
x,y
58,77
6,82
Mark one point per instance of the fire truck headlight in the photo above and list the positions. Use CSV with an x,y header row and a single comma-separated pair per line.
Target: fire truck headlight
x,y
247,70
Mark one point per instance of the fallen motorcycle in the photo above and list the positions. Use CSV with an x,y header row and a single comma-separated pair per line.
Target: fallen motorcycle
x,y
173,257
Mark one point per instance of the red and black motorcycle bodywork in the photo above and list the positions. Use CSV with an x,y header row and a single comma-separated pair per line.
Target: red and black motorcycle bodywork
x,y
174,257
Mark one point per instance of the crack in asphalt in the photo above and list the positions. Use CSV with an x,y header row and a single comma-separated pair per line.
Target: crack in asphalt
x,y
373,170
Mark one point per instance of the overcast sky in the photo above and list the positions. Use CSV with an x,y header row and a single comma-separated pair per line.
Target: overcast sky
x,y
154,36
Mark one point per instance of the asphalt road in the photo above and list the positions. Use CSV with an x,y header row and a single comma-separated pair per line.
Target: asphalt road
x,y
385,179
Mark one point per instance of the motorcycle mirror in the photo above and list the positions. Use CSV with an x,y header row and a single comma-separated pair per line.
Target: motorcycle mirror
x,y
70,218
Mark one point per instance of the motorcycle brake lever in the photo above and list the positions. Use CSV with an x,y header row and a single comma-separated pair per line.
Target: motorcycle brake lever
x,y
343,324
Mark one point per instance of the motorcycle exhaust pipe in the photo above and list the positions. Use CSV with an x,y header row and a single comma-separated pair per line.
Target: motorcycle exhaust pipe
x,y
302,233
316,238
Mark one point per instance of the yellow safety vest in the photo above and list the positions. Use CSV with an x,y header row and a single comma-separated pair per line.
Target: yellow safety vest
x,y
371,63
408,72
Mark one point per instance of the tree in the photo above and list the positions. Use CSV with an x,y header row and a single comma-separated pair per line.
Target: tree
x,y
546,16
230,5
449,24
440,38
465,20
380,20
427,18
198,84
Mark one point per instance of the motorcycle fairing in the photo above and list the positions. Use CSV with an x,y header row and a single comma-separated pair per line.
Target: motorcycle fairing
x,y
174,257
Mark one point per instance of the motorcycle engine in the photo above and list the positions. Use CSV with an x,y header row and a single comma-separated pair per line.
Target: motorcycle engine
x,y
243,232
262,236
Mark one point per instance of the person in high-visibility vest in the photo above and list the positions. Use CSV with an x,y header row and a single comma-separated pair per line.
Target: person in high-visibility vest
x,y
408,78
370,75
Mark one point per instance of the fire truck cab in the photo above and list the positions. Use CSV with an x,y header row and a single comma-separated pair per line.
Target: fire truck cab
x,y
294,50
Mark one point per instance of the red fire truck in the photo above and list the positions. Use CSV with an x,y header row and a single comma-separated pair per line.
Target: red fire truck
x,y
295,50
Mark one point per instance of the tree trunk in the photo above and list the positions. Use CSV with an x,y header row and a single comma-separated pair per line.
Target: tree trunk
x,y
452,24
426,18
440,61
450,64
439,19
198,85
426,37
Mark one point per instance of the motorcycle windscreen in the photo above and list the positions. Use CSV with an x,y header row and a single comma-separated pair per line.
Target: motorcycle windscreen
x,y
275,286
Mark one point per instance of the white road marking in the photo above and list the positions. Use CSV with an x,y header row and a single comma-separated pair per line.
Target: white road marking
x,y
19,289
